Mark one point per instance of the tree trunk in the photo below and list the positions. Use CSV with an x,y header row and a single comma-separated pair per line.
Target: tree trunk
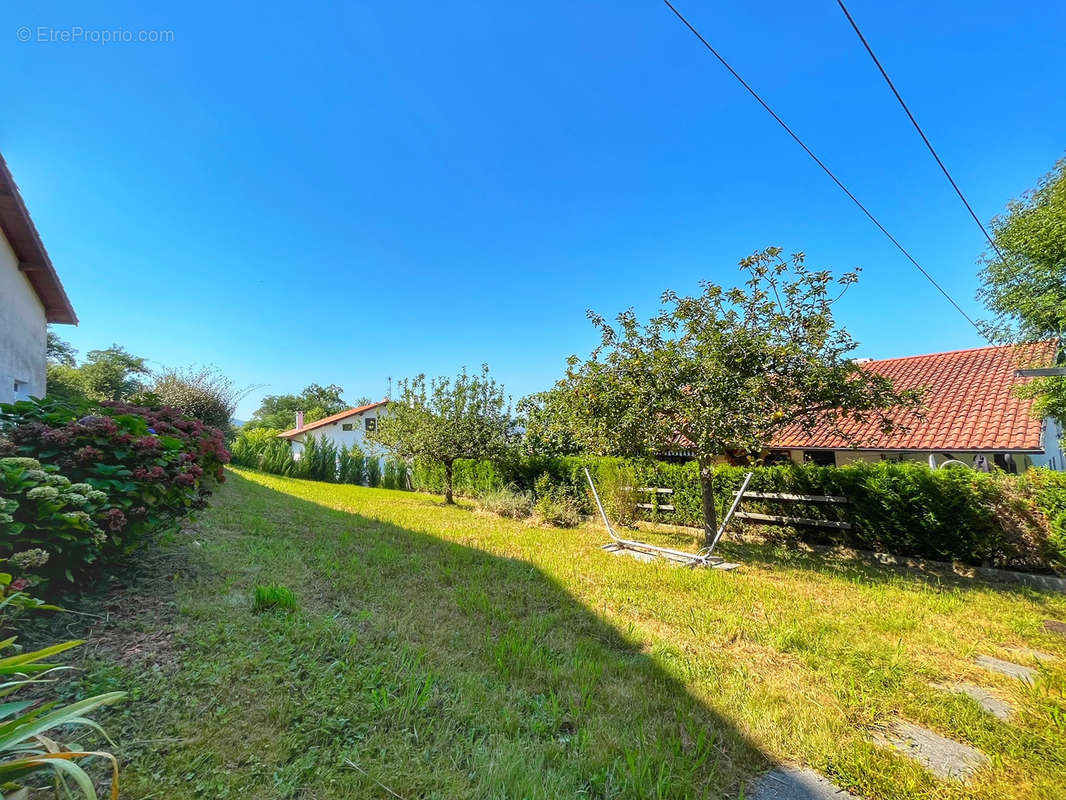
x,y
710,513
448,499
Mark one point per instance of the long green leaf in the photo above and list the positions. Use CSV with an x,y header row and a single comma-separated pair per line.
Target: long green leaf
x,y
61,763
7,709
58,717
38,655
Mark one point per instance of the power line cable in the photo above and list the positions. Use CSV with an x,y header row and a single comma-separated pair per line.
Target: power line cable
x,y
917,127
821,164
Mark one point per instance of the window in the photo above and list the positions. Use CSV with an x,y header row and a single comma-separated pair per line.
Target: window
x,y
777,457
371,423
347,426
820,458
21,390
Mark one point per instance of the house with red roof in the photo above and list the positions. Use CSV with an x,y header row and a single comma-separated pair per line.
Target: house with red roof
x,y
971,414
345,429
31,296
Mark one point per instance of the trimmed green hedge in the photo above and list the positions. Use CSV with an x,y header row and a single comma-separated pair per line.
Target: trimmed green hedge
x,y
906,509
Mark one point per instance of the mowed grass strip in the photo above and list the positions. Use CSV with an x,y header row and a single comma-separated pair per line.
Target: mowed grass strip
x,y
452,654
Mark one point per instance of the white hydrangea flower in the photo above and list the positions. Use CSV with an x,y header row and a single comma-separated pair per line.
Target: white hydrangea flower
x,y
43,493
28,559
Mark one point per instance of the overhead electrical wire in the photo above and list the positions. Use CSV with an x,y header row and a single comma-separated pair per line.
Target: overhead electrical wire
x,y
821,164
917,127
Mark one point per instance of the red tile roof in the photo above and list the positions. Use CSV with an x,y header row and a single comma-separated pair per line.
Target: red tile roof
x,y
969,404
310,426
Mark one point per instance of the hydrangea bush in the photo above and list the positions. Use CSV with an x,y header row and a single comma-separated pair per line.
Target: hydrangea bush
x,y
49,523
84,481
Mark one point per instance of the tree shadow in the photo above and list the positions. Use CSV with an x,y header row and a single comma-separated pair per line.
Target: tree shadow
x,y
786,550
435,668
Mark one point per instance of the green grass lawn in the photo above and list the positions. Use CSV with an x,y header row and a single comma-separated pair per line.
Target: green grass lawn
x,y
444,653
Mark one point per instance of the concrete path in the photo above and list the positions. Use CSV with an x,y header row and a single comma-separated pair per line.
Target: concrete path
x,y
1009,668
943,757
796,783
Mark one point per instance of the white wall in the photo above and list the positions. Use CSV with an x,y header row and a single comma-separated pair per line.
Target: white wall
x,y
341,438
23,332
1022,461
1051,439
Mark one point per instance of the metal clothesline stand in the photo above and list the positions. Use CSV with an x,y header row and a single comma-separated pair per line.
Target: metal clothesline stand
x,y
702,558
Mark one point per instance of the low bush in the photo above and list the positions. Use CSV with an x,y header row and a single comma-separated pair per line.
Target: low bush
x,y
252,447
202,393
54,524
1047,490
507,502
154,467
557,505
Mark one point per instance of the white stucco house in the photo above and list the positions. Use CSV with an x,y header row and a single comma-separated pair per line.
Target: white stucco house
x,y
31,296
344,429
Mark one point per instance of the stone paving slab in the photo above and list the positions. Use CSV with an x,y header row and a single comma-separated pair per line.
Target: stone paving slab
x,y
1055,626
943,757
797,783
1036,655
997,707
1008,668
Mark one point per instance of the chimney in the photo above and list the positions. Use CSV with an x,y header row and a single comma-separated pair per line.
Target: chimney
x,y
299,420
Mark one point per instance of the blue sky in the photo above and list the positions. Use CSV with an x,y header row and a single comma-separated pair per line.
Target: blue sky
x,y
340,192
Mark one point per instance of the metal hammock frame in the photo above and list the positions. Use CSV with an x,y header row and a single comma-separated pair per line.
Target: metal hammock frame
x,y
704,557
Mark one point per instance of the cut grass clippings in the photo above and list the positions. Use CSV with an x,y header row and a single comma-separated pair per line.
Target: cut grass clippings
x,y
448,654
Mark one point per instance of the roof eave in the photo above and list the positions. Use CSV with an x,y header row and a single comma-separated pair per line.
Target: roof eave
x,y
330,420
34,262
945,449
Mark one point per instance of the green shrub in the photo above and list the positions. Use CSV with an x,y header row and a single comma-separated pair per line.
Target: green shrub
x,y
317,461
556,504
155,467
507,502
260,448
616,484
273,596
43,512
373,471
202,393
351,465
1047,490
395,475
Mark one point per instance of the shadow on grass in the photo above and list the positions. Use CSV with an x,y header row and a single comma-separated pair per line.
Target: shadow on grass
x,y
438,670
785,550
